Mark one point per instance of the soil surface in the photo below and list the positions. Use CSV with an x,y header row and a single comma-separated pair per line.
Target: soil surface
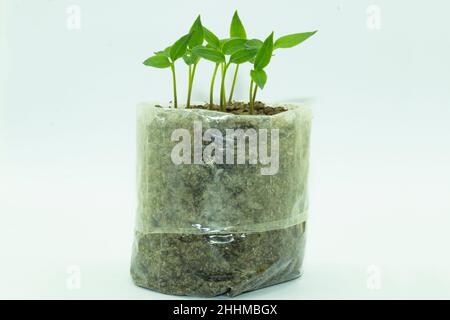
x,y
243,108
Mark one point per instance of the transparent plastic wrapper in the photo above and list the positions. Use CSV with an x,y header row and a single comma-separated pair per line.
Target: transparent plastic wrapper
x,y
207,229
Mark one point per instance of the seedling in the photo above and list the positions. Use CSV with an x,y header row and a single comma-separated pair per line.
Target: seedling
x,y
258,75
237,30
167,57
216,52
191,59
237,47
211,52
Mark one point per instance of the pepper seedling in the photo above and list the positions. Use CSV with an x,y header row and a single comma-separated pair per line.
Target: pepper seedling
x,y
258,75
167,58
265,50
239,49
216,52
227,47
211,52
190,58
237,30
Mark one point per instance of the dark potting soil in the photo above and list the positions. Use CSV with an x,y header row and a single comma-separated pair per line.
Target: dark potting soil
x,y
248,237
186,264
243,108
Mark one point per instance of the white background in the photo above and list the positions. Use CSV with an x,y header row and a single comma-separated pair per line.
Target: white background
x,y
380,171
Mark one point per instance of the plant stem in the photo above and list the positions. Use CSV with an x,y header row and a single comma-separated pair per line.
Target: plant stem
x,y
175,101
191,82
223,94
254,98
250,97
221,90
222,86
254,94
211,90
233,84
193,73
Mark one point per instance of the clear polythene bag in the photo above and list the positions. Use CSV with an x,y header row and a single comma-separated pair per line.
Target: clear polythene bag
x,y
209,225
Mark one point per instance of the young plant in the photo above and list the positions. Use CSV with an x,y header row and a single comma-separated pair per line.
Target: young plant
x,y
237,31
216,50
190,58
237,47
167,58
258,75
237,57
262,59
215,55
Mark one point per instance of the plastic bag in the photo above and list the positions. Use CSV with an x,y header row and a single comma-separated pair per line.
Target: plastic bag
x,y
207,228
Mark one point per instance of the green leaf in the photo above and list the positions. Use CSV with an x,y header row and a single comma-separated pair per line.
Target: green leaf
x,y
222,42
230,46
237,29
158,61
243,55
197,34
165,52
210,54
179,48
190,58
259,77
211,38
254,44
292,40
264,53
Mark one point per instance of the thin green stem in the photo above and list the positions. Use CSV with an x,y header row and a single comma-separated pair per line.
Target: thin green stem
x,y
191,82
193,74
221,89
189,85
211,90
250,94
253,98
223,94
175,100
222,86
254,94
233,84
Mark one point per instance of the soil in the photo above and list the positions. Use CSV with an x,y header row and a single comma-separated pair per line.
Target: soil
x,y
199,265
243,108
213,229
